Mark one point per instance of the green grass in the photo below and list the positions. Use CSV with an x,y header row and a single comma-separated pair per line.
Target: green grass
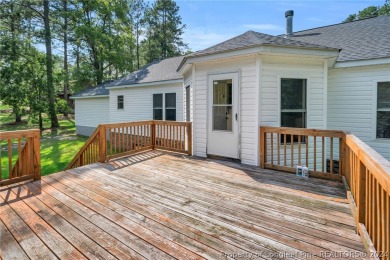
x,y
3,107
58,147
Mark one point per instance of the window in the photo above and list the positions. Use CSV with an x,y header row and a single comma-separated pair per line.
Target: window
x,y
188,104
383,110
170,106
164,108
293,104
222,105
120,102
157,106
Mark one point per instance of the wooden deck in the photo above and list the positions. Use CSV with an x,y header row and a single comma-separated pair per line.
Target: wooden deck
x,y
157,205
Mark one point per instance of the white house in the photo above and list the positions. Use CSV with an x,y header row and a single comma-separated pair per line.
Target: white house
x,y
153,92
333,77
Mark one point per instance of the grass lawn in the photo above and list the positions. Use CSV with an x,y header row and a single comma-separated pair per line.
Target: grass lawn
x,y
58,146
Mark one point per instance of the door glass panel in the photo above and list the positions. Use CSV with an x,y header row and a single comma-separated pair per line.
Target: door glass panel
x,y
222,105
222,92
222,116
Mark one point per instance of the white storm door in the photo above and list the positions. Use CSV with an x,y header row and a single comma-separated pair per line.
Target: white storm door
x,y
223,115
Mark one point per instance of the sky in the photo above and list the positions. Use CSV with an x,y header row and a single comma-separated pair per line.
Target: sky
x,y
209,22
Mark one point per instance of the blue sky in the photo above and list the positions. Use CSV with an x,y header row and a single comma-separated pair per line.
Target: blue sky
x,y
213,21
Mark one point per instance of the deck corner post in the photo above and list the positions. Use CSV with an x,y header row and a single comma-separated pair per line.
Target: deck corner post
x,y
263,147
189,136
37,154
102,143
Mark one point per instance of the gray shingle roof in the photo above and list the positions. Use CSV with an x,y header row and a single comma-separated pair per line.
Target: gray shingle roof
x,y
161,70
99,90
359,40
253,39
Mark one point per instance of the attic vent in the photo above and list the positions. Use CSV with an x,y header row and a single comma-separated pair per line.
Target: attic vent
x,y
289,23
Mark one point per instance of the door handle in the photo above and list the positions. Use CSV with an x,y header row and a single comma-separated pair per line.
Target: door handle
x,y
236,116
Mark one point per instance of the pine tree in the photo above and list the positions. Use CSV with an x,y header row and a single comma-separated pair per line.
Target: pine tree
x,y
165,30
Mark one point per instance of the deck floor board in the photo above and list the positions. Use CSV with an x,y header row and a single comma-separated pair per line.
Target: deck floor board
x,y
159,205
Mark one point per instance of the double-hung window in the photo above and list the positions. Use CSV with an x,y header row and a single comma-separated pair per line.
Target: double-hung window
x,y
120,102
157,106
164,108
170,106
293,103
383,110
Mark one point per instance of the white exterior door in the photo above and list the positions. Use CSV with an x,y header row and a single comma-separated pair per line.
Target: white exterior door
x,y
223,115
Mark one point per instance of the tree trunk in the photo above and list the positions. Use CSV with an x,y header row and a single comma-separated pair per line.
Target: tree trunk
x,y
18,113
18,119
49,66
66,81
137,45
40,121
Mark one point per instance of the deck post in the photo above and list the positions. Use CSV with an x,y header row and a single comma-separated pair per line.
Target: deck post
x,y
263,148
361,193
189,137
37,154
102,143
153,134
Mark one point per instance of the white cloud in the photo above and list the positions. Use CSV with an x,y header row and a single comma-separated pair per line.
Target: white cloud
x,y
264,27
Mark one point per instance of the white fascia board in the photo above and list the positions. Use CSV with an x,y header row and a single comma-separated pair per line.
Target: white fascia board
x,y
86,97
164,82
275,50
185,68
299,51
224,55
359,63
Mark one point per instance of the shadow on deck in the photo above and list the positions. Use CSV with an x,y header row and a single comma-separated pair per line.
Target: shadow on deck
x,y
159,205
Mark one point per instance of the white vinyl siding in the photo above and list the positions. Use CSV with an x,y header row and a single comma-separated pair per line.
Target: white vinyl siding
x,y
90,112
273,70
246,66
139,102
352,103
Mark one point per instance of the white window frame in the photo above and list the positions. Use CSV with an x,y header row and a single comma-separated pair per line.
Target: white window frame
x,y
123,102
292,110
163,105
375,110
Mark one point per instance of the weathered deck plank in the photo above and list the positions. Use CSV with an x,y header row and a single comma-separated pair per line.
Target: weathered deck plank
x,y
157,205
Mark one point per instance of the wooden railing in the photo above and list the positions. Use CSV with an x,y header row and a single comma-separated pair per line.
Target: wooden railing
x,y
110,141
22,150
364,172
368,176
284,148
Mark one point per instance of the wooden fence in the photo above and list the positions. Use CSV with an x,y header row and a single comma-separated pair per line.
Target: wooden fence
x,y
22,150
110,141
364,171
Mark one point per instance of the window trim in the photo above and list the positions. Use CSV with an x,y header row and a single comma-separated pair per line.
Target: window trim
x,y
375,109
279,100
188,103
171,108
163,105
117,102
279,103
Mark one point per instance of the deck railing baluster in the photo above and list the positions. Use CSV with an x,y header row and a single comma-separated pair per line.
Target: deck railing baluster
x,y
365,172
